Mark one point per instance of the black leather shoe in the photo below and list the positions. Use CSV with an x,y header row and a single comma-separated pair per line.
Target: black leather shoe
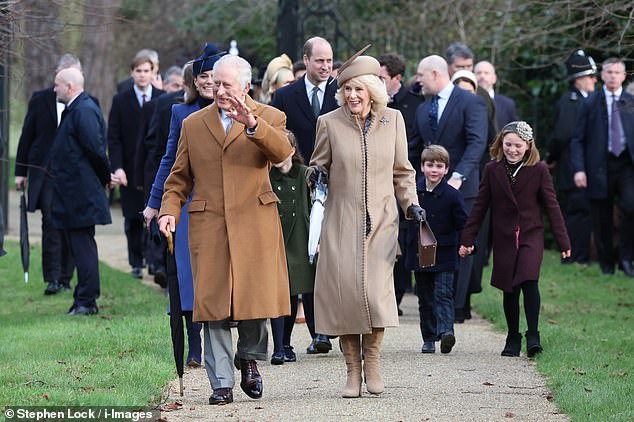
x,y
447,342
322,344
251,382
627,268
428,347
277,358
311,349
137,272
53,288
607,269
221,396
83,310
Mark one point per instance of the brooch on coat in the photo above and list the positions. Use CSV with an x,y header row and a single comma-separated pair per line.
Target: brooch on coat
x,y
384,120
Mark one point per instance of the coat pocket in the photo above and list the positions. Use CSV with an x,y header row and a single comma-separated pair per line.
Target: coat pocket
x,y
268,197
197,205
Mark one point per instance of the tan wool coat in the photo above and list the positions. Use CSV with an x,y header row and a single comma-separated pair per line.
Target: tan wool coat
x,y
235,237
354,287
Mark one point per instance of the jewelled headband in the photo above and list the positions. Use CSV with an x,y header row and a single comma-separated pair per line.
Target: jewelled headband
x,y
521,128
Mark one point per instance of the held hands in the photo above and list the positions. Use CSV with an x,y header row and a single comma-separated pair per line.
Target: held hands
x,y
315,172
242,113
167,225
454,183
415,212
467,250
565,254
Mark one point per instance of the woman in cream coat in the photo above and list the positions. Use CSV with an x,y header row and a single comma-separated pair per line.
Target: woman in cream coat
x,y
362,148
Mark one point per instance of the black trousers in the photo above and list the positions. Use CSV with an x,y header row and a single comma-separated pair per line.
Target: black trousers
x,y
84,251
135,233
57,262
621,193
576,210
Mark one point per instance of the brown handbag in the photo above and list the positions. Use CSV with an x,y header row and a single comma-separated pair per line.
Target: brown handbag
x,y
426,245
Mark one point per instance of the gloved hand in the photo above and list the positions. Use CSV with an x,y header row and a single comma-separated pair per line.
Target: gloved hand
x,y
415,212
314,175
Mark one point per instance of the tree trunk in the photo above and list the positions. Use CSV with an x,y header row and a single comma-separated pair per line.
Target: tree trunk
x,y
97,50
39,27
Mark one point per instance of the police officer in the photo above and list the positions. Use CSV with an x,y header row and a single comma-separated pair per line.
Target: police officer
x,y
582,72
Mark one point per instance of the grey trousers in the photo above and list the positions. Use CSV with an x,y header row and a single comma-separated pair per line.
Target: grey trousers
x,y
253,340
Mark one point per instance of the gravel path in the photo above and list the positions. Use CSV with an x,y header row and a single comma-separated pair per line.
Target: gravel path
x,y
472,383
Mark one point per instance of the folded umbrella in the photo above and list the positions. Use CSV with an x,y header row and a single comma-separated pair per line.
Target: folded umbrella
x,y
319,196
176,312
24,236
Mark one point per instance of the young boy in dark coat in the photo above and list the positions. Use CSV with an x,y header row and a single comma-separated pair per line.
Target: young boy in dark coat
x,y
446,216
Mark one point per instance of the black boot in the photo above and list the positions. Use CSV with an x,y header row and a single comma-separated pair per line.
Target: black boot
x,y
533,345
513,345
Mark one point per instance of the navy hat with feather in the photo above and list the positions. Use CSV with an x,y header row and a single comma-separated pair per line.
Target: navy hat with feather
x,y
206,60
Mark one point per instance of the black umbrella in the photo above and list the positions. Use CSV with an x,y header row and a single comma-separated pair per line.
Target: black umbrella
x,y
24,236
176,312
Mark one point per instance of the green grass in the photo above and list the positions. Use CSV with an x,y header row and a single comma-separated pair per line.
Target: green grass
x,y
586,326
121,357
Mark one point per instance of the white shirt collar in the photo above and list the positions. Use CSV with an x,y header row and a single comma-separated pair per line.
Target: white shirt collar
x,y
310,86
445,93
609,94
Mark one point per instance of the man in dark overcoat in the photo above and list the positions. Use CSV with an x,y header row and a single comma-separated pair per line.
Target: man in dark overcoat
x,y
602,151
79,173
32,162
574,203
124,125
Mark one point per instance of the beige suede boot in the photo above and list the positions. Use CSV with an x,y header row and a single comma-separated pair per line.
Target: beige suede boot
x,y
371,357
351,345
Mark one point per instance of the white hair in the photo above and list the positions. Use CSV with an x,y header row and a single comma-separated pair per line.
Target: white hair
x,y
241,66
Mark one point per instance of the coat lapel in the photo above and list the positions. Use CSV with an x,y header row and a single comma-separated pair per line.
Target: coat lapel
x,y
213,123
330,103
302,100
503,180
446,114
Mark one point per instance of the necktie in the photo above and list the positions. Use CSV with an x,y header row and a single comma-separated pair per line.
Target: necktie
x,y
433,115
144,100
615,129
315,101
228,122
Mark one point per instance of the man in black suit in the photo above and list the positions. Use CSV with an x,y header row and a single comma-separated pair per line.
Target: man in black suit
x,y
406,100
32,163
124,125
297,100
79,173
457,120
505,110
574,202
602,151
303,101
157,82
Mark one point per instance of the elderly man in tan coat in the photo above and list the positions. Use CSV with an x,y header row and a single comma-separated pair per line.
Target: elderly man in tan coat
x,y
235,236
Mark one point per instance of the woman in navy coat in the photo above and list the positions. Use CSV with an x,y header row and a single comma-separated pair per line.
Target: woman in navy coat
x,y
516,186
198,96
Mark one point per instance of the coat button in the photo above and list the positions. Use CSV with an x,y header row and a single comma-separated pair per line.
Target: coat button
x,y
293,214
293,187
279,188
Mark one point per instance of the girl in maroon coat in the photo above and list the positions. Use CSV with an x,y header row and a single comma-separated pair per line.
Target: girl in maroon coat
x,y
516,186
